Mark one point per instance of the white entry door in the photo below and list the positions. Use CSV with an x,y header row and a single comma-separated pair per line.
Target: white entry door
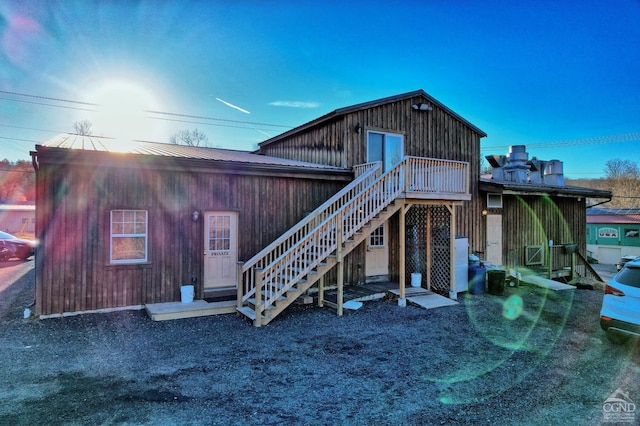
x,y
494,239
220,250
377,258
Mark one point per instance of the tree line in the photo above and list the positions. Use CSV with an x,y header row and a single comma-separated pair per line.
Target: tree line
x,y
17,182
622,178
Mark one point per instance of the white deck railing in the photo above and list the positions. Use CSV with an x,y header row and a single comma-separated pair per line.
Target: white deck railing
x,y
290,258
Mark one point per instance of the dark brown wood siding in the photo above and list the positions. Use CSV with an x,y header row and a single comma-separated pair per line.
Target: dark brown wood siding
x,y
535,220
433,134
73,219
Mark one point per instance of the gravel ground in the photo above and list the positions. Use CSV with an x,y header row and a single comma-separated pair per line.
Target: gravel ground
x,y
526,357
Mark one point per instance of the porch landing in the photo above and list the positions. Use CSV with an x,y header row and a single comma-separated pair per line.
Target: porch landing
x,y
197,308
425,298
372,291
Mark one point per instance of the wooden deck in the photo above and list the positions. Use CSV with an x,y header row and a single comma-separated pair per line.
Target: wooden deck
x,y
197,308
539,281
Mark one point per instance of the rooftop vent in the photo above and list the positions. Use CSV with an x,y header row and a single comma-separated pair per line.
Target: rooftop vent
x,y
516,167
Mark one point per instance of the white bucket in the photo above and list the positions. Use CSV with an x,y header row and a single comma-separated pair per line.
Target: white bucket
x,y
416,279
186,293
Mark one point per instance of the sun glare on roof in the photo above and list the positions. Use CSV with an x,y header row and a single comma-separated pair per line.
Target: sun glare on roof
x,y
120,111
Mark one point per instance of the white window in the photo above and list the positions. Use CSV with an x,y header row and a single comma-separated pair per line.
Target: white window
x,y
128,236
494,201
376,239
219,233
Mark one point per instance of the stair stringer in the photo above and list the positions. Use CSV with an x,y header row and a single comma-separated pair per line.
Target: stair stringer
x,y
272,311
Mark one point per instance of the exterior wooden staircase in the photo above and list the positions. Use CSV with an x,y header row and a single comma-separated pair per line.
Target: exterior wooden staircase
x,y
275,277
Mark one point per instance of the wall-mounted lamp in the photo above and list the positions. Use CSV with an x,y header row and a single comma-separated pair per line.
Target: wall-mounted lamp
x,y
485,212
195,215
358,128
422,107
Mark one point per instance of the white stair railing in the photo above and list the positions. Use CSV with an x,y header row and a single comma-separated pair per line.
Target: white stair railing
x,y
366,174
288,260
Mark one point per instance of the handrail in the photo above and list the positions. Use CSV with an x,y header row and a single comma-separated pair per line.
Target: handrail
x,y
291,257
295,233
293,265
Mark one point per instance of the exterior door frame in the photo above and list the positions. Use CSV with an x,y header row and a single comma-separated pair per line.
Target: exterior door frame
x,y
221,255
385,152
493,250
376,253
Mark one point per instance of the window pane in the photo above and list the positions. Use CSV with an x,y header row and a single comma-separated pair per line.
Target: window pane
x,y
128,236
393,150
128,248
128,228
116,228
629,276
374,147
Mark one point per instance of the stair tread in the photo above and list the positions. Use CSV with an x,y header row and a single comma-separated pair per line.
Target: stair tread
x,y
248,312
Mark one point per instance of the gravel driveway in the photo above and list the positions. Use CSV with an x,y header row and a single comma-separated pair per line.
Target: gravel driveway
x,y
527,357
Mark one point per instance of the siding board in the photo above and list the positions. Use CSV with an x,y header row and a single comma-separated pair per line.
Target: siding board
x,y
73,227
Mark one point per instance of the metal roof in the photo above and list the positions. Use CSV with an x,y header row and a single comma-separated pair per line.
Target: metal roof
x,y
620,216
616,211
525,188
365,105
137,147
613,219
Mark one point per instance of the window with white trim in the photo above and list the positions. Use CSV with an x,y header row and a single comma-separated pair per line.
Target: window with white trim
x,y
128,239
376,239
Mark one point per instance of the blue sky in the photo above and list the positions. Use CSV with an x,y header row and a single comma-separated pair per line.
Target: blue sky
x,y
562,77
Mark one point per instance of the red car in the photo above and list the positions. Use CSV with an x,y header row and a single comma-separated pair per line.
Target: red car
x,y
11,246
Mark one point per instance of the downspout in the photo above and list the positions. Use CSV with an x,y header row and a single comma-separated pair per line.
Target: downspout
x,y
602,202
36,168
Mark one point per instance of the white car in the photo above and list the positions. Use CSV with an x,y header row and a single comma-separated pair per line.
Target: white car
x,y
620,313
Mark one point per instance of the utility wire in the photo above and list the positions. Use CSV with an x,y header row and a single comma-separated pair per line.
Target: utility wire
x,y
625,137
198,117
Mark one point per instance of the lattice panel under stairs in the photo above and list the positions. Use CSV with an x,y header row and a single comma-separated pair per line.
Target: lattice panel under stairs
x,y
416,242
421,219
440,249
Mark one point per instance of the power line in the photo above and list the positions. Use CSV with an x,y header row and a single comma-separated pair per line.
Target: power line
x,y
198,117
50,105
625,137
47,98
30,128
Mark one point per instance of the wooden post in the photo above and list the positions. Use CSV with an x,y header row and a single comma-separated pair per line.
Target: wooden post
x,y
429,251
452,246
257,281
339,227
240,284
408,174
321,292
403,255
340,287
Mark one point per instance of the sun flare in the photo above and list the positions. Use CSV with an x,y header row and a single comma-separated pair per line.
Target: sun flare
x,y
121,110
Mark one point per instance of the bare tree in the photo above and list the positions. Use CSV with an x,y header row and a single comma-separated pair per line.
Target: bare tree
x,y
192,138
623,179
82,127
621,169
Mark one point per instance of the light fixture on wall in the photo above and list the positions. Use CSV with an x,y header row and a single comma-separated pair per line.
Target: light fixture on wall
x,y
422,107
195,215
358,128
485,212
